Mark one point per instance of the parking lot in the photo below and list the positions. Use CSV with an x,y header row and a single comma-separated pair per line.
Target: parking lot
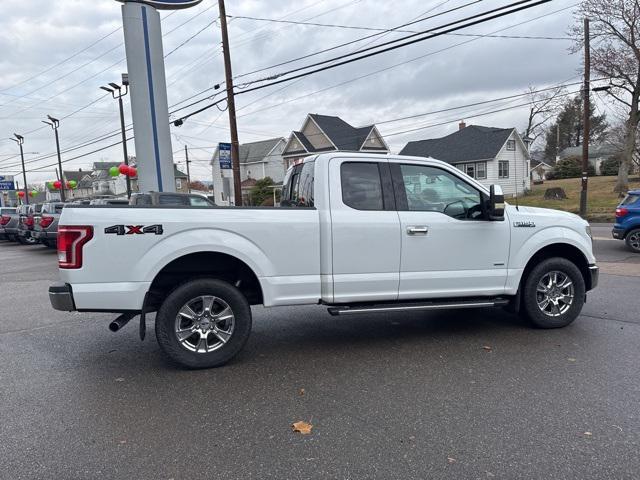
x,y
466,394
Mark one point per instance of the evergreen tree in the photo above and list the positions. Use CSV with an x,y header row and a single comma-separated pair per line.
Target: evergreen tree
x,y
570,123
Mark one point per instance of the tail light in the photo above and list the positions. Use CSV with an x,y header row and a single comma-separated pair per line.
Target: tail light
x,y
621,212
71,240
45,221
29,221
4,219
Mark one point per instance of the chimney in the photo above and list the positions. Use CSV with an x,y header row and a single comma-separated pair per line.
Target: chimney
x,y
461,125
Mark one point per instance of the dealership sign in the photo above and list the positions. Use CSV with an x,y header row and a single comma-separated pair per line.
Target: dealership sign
x,y
167,4
224,154
6,183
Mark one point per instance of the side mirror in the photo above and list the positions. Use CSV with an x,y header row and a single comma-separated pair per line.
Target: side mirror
x,y
496,203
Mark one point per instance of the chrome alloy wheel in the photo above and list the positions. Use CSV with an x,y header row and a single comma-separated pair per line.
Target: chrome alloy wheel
x,y
634,240
554,293
204,324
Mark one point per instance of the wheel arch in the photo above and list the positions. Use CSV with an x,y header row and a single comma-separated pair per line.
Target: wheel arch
x,y
206,264
562,250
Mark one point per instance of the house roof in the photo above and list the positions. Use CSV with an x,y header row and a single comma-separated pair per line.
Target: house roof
x,y
74,175
256,151
343,135
104,165
178,173
470,143
248,183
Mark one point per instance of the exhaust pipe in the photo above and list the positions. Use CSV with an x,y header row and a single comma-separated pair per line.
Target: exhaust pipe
x,y
121,321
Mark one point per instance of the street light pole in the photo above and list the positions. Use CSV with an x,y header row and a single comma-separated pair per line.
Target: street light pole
x,y
55,123
118,92
20,141
186,154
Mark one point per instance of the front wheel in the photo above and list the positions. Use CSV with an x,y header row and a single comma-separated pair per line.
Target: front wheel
x,y
633,240
203,323
553,293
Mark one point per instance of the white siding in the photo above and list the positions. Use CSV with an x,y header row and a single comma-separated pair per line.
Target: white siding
x,y
518,169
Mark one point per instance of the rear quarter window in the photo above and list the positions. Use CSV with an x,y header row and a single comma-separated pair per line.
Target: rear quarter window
x,y
630,199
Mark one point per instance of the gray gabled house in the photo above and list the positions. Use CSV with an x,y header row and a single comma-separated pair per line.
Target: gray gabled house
x,y
325,133
490,155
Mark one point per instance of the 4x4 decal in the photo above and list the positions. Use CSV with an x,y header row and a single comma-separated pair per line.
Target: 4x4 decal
x,y
134,230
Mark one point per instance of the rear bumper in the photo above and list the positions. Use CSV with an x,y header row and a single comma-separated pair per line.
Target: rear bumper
x,y
617,233
61,298
594,271
43,235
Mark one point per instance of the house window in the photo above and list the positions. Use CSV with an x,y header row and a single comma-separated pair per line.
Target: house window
x,y
511,145
481,170
503,169
477,170
179,183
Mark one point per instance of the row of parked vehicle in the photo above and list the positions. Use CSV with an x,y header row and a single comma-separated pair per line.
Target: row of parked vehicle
x,y
38,223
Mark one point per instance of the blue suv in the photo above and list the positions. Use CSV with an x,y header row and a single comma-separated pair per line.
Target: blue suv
x,y
627,226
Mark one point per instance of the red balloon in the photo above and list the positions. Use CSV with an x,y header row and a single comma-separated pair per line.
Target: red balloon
x,y
21,194
123,169
57,184
132,172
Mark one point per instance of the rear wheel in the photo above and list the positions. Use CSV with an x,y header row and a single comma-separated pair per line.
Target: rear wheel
x,y
553,293
203,323
633,240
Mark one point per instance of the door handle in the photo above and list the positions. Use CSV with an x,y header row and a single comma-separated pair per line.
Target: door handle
x,y
417,230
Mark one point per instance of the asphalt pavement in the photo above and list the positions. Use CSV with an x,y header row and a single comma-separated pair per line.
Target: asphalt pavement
x,y
462,395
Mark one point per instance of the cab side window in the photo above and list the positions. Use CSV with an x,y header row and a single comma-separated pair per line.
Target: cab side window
x,y
431,189
361,186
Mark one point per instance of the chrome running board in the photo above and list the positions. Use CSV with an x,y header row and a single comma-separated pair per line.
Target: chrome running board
x,y
413,306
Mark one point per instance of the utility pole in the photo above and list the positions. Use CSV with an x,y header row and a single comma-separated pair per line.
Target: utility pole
x,y
55,123
186,154
20,141
117,92
586,121
231,104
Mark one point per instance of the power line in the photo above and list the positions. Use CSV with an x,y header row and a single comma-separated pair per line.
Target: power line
x,y
410,40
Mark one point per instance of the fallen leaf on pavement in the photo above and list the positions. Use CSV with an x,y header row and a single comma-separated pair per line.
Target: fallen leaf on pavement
x,y
301,391
451,460
571,359
302,427
588,434
120,379
488,348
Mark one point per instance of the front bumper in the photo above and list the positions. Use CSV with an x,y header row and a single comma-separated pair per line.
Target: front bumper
x,y
61,298
594,271
617,233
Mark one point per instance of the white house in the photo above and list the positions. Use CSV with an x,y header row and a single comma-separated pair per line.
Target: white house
x,y
490,155
324,133
258,160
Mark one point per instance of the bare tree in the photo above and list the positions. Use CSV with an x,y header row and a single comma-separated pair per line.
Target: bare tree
x,y
616,139
615,53
543,107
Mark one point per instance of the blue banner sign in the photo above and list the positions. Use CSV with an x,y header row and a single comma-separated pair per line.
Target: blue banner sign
x,y
6,183
224,154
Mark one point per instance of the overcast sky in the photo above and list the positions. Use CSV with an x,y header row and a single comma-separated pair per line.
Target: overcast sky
x,y
46,68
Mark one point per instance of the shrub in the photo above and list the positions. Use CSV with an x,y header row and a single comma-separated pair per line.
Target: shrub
x,y
570,167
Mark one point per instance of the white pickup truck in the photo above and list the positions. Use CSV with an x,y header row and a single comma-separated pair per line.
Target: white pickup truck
x,y
356,233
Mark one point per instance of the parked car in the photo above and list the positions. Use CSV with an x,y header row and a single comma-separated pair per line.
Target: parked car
x,y
8,223
26,222
167,198
368,233
627,226
45,228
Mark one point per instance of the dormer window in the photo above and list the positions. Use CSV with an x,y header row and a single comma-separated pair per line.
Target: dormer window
x,y
511,145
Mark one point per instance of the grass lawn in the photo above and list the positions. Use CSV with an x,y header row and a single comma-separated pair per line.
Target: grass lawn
x,y
601,201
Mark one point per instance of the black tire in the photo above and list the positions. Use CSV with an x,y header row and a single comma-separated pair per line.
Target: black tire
x,y
633,240
530,294
181,296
